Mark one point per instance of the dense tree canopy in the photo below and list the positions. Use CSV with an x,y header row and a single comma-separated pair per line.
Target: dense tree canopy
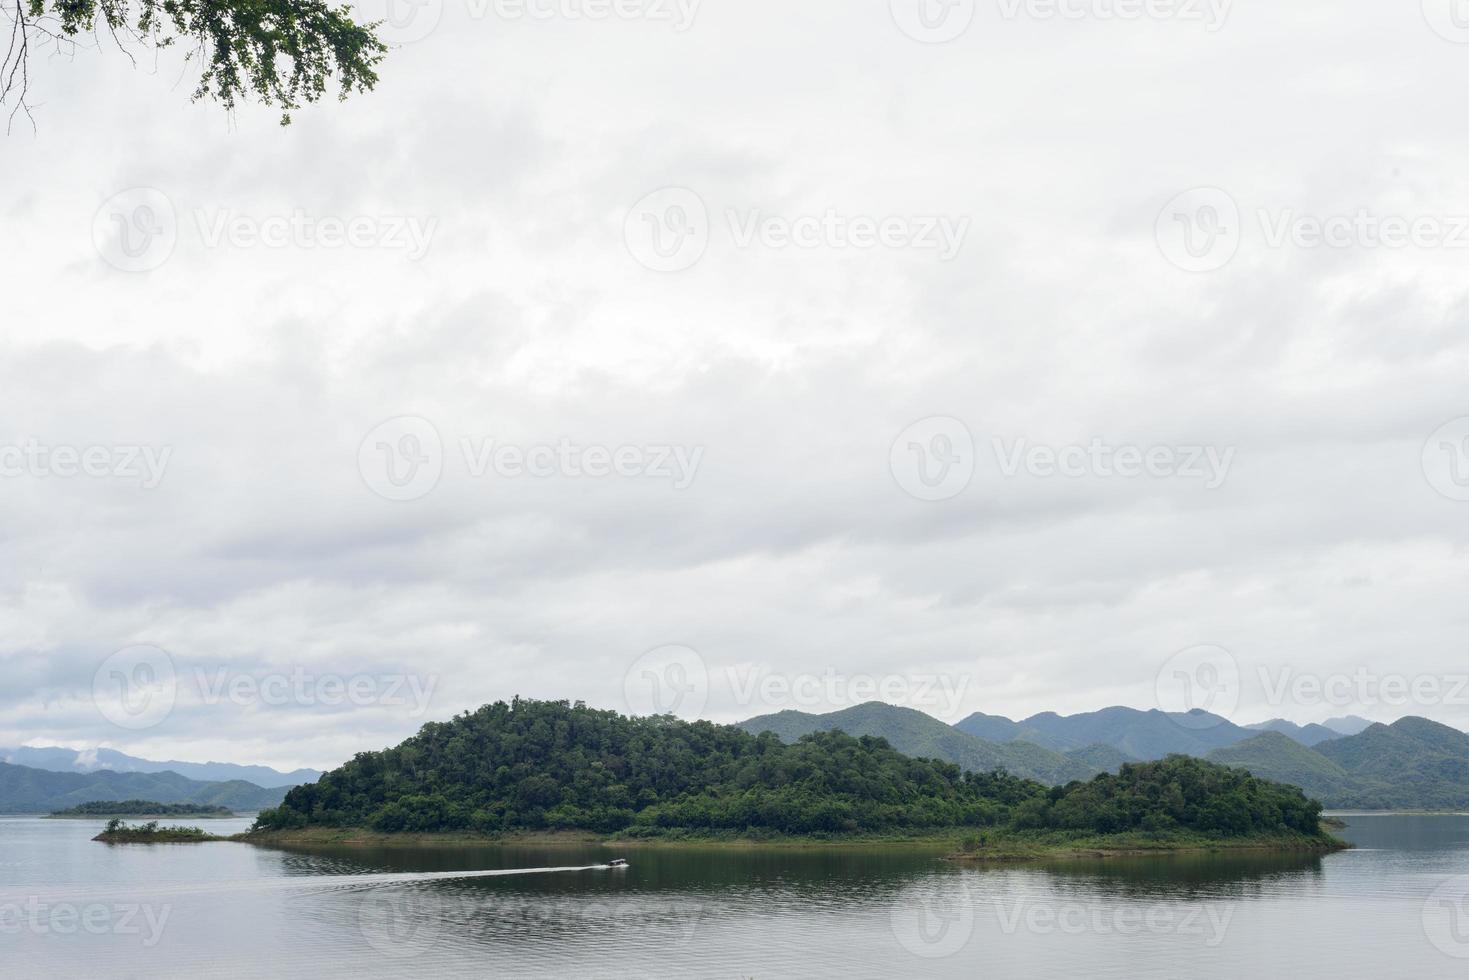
x,y
532,765
283,52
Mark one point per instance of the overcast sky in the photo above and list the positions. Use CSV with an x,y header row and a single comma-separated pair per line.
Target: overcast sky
x,y
1046,368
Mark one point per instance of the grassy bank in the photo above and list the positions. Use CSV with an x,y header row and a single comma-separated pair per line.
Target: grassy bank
x,y
118,832
956,845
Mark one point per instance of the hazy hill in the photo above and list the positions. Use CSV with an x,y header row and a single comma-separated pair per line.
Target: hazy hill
x,y
1272,755
27,790
1305,734
914,733
91,760
1413,763
1137,734
1347,724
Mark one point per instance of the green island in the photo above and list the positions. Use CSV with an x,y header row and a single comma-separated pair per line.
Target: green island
x,y
141,808
552,771
119,832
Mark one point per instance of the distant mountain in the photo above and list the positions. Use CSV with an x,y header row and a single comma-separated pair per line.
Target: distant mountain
x,y
916,734
1273,755
91,760
1137,734
1102,758
1347,724
27,790
1413,763
1305,734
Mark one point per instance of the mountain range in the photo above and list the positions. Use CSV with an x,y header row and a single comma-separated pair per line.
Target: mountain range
x,y
27,790
93,760
1413,763
1345,762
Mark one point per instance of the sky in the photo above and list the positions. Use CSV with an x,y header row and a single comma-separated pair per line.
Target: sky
x,y
722,358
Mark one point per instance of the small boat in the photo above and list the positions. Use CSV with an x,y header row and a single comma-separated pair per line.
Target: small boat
x,y
617,863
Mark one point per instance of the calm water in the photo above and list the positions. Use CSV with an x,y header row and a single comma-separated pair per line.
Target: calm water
x,y
1393,907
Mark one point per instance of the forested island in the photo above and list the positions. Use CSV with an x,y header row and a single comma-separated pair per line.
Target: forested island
x,y
142,808
541,767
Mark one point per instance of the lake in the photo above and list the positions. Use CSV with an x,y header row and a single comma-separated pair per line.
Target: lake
x,y
1397,905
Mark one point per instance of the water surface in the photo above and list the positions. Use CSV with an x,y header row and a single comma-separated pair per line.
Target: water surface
x,y
1397,905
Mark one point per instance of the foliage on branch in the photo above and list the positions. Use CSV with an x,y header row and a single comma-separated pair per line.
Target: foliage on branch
x,y
282,52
